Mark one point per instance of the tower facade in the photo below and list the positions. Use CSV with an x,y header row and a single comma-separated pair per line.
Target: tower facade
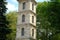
x,y
26,22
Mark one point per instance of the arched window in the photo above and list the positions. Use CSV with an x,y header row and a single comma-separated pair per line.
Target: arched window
x,y
23,18
22,31
24,4
32,6
32,32
32,19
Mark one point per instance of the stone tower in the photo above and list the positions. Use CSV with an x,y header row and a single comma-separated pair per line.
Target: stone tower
x,y
26,22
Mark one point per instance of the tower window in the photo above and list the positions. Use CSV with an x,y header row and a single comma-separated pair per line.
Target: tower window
x,y
32,32
32,6
24,5
32,19
23,18
22,31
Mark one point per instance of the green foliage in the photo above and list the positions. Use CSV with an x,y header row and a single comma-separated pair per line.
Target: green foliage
x,y
42,21
56,37
41,14
3,6
48,18
54,17
12,18
54,14
4,29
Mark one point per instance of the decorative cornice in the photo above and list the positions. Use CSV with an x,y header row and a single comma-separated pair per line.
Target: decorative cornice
x,y
33,0
33,25
27,11
27,24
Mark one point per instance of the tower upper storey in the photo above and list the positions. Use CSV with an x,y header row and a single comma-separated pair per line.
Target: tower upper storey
x,y
27,5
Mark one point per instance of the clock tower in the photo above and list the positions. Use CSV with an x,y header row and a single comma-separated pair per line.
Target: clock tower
x,y
26,21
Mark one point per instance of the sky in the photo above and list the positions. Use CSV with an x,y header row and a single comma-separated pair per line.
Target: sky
x,y
12,5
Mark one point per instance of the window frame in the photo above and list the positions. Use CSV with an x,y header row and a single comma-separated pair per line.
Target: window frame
x,y
32,32
22,32
24,5
32,19
23,18
32,6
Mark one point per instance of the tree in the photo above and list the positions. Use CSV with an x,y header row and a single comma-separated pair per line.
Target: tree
x,y
12,18
4,29
48,18
43,25
54,16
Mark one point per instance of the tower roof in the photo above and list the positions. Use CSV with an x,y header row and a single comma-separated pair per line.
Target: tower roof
x,y
27,0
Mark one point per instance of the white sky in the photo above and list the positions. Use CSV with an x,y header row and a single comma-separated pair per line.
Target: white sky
x,y
13,4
